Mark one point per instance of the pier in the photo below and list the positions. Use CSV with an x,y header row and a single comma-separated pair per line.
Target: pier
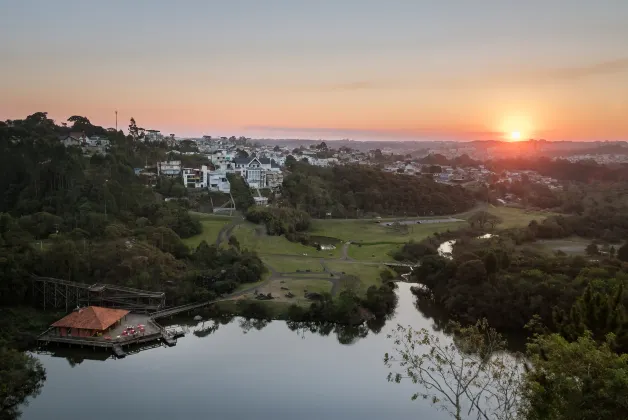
x,y
119,345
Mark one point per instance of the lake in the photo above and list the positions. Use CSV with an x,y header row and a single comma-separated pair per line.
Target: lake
x,y
236,373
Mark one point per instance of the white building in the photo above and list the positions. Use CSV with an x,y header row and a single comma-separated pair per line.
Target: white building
x,y
194,178
258,172
170,168
216,180
222,159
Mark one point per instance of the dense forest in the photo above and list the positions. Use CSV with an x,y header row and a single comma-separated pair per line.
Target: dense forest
x,y
355,191
90,218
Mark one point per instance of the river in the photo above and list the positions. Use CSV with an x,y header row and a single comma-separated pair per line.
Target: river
x,y
235,373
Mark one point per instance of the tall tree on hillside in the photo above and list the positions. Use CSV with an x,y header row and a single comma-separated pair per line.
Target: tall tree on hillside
x,y
78,122
136,133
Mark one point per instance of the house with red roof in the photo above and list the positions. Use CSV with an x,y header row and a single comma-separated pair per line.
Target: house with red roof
x,y
90,321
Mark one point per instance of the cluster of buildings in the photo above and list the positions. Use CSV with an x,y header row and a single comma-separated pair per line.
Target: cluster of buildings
x,y
602,159
89,145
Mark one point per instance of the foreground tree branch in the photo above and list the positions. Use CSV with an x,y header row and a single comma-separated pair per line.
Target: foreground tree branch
x,y
469,373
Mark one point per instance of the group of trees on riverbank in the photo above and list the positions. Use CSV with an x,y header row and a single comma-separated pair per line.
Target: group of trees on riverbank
x,y
576,308
354,190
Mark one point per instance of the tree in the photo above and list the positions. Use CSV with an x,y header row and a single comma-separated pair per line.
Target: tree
x,y
290,160
579,380
276,149
612,251
471,372
79,122
622,252
233,241
304,160
592,249
135,132
490,263
483,218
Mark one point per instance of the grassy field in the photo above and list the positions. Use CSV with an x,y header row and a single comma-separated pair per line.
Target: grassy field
x,y
299,287
252,237
573,245
211,227
373,252
369,231
292,264
368,274
514,217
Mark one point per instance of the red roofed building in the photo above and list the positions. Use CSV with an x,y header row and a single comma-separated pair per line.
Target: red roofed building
x,y
89,321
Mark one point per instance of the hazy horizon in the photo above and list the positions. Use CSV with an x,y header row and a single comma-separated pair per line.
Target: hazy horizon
x,y
364,70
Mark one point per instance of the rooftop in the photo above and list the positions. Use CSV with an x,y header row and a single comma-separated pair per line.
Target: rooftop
x,y
92,318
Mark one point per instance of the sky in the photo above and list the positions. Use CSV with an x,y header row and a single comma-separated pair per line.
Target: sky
x,y
359,69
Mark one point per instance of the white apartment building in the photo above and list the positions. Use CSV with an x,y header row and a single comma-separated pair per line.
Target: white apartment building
x,y
194,178
170,168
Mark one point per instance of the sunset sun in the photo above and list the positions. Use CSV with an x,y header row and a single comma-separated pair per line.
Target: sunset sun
x,y
515,135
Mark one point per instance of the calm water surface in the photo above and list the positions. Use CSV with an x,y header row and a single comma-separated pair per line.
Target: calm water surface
x,y
232,373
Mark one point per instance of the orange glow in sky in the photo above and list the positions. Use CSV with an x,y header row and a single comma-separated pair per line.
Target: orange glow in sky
x,y
324,69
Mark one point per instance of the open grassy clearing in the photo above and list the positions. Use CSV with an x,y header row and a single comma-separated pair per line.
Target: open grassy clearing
x,y
373,252
368,274
254,238
514,217
211,227
370,231
292,264
280,287
574,245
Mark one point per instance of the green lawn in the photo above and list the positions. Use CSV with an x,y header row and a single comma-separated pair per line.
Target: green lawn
x,y
264,244
211,227
372,252
369,231
298,287
368,274
292,264
514,217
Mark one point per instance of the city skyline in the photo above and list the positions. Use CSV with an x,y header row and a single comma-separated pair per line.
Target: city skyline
x,y
365,70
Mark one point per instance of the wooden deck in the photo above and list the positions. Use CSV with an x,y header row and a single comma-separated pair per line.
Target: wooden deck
x,y
116,345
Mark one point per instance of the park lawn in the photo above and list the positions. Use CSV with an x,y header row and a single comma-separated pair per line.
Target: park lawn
x,y
368,274
573,245
299,287
373,252
514,217
366,231
211,228
254,238
290,264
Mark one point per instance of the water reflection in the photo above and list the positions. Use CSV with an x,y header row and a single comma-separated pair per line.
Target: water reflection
x,y
231,368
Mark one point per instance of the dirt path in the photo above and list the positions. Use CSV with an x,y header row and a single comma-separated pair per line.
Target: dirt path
x,y
345,251
227,230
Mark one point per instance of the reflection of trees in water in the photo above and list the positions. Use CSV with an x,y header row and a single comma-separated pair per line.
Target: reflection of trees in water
x,y
206,330
22,377
249,324
346,334
210,327
429,309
